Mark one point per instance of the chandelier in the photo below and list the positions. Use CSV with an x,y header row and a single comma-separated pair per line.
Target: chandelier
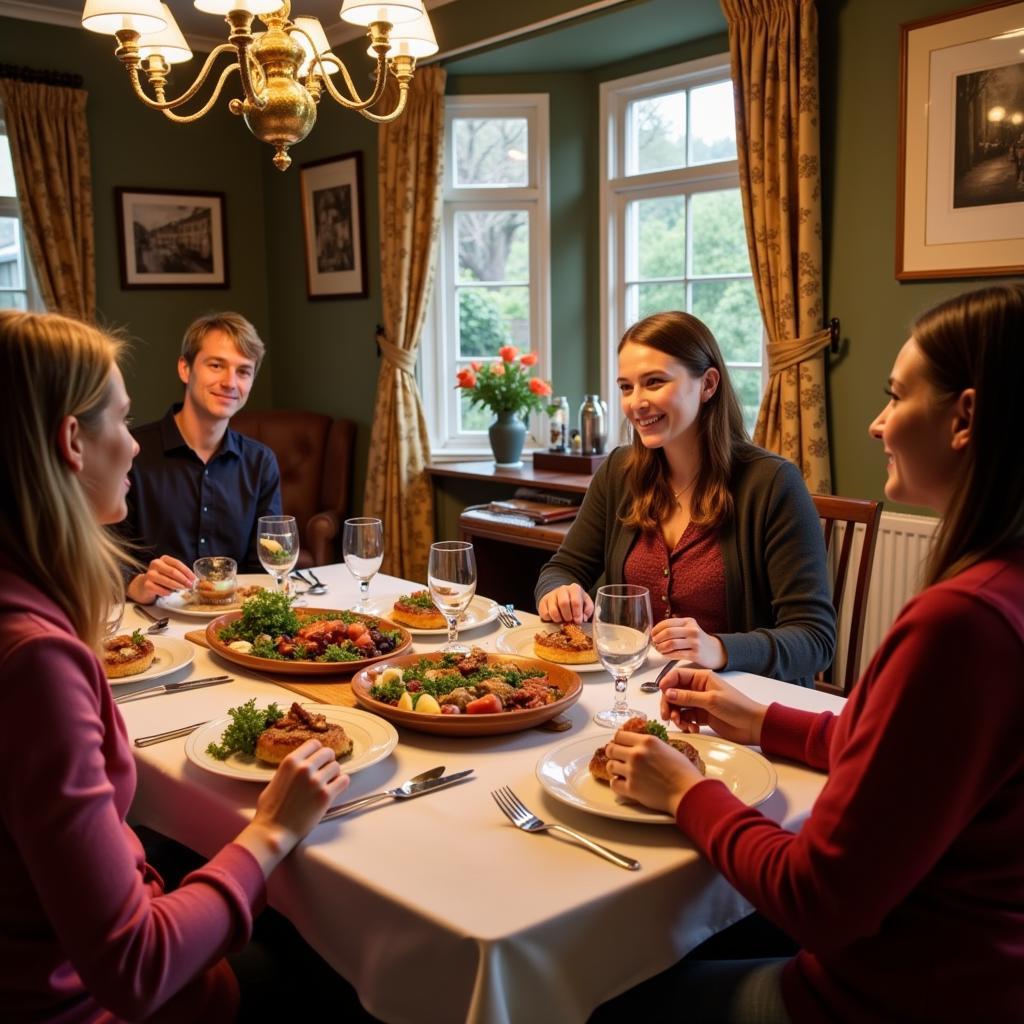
x,y
284,70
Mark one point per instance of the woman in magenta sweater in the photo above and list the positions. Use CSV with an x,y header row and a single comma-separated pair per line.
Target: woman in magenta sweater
x,y
86,932
905,887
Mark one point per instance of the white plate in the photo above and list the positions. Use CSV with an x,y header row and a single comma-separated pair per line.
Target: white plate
x,y
481,612
179,605
372,740
171,654
520,641
565,773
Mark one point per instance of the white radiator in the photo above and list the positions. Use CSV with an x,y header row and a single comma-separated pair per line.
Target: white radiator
x,y
900,552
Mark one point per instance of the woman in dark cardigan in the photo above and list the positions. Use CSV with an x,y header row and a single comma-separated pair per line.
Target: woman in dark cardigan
x,y
723,533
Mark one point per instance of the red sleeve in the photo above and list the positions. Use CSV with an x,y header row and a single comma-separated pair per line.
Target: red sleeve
x,y
895,785
804,736
133,950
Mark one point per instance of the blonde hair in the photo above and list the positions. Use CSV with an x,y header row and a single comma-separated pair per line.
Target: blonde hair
x,y
53,367
234,325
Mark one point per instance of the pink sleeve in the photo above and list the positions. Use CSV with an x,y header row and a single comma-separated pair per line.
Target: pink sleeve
x,y
133,950
803,736
827,885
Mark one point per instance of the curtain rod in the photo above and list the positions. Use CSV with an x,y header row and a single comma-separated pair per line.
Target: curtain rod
x,y
27,74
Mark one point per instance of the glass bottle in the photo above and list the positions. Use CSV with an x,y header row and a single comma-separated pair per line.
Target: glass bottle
x,y
593,431
558,422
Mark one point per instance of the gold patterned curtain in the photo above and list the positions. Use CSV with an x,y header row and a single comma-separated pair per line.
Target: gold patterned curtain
x,y
410,167
49,140
774,49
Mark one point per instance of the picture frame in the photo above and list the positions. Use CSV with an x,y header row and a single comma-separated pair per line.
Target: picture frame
x,y
960,201
171,239
334,227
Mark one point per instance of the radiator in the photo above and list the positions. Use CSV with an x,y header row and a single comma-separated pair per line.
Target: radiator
x,y
900,553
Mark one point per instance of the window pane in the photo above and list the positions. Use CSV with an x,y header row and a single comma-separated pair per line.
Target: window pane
x,y
730,309
491,151
747,384
473,419
659,235
6,169
490,318
493,245
13,300
656,298
656,130
712,124
719,238
12,271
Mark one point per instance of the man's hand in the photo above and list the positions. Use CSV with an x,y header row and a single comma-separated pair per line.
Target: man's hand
x,y
163,576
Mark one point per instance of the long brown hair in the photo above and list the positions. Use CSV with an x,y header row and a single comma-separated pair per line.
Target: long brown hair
x,y
720,431
976,341
52,367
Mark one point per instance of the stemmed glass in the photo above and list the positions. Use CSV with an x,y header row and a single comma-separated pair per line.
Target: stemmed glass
x,y
277,543
451,578
362,544
622,636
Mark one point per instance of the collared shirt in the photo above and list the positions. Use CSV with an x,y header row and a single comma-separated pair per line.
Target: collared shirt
x,y
180,506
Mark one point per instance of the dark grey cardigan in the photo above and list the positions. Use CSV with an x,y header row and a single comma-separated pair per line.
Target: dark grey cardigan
x,y
777,588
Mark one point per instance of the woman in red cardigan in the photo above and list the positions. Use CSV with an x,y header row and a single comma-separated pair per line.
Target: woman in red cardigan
x,y
905,887
86,932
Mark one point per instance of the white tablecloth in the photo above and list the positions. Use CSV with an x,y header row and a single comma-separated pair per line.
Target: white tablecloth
x,y
437,909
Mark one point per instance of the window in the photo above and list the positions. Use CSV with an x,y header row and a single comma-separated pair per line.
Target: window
x,y
17,286
492,277
673,233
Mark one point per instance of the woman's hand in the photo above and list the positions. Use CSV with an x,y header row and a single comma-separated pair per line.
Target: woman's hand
x,y
648,770
569,603
692,697
303,787
683,639
163,576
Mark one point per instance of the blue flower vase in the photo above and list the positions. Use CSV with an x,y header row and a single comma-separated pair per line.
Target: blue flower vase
x,y
508,435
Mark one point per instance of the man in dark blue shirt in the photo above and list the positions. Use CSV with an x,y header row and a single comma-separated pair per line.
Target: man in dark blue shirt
x,y
197,487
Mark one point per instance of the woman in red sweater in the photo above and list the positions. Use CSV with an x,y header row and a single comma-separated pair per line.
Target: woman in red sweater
x,y
86,932
905,887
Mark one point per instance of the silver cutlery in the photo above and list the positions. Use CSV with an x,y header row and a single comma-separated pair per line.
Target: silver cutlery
x,y
510,608
159,624
188,684
516,812
652,685
313,585
506,618
425,782
171,734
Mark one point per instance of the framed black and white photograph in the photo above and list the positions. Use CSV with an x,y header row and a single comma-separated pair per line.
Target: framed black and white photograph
x,y
961,158
171,239
334,227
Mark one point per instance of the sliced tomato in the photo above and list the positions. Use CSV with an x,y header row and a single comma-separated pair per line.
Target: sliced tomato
x,y
488,704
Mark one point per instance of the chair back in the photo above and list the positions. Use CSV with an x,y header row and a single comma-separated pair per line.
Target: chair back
x,y
849,512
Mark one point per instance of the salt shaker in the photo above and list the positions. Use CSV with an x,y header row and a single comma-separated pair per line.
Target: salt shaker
x,y
593,431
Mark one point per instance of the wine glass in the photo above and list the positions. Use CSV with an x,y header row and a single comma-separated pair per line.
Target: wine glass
x,y
451,578
277,543
362,545
622,636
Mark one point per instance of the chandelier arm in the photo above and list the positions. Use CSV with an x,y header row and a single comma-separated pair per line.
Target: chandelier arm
x,y
355,103
165,105
403,95
246,63
189,118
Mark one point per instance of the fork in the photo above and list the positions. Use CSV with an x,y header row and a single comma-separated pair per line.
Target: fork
x,y
516,812
159,624
315,588
171,734
507,617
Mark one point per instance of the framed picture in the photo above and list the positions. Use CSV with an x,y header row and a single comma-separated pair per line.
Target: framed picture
x,y
335,229
171,239
961,154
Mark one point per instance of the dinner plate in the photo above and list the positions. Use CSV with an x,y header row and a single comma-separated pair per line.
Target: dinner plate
x,y
520,641
471,725
481,612
303,668
565,773
179,604
372,740
171,654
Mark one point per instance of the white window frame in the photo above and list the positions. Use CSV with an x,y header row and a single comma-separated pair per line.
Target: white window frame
x,y
11,207
437,348
618,190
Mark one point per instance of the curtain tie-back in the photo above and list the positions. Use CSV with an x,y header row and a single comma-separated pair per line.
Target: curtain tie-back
x,y
784,354
405,361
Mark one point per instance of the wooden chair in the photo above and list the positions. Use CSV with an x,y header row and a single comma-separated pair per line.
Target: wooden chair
x,y
850,511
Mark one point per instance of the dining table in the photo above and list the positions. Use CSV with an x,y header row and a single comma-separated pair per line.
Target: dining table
x,y
438,909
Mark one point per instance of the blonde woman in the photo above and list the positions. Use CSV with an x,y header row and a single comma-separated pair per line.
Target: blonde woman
x,y
86,933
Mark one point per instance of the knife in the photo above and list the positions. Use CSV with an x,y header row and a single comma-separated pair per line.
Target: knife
x,y
189,684
406,792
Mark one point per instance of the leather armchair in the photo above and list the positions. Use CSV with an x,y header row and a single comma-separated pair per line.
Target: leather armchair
x,y
315,456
